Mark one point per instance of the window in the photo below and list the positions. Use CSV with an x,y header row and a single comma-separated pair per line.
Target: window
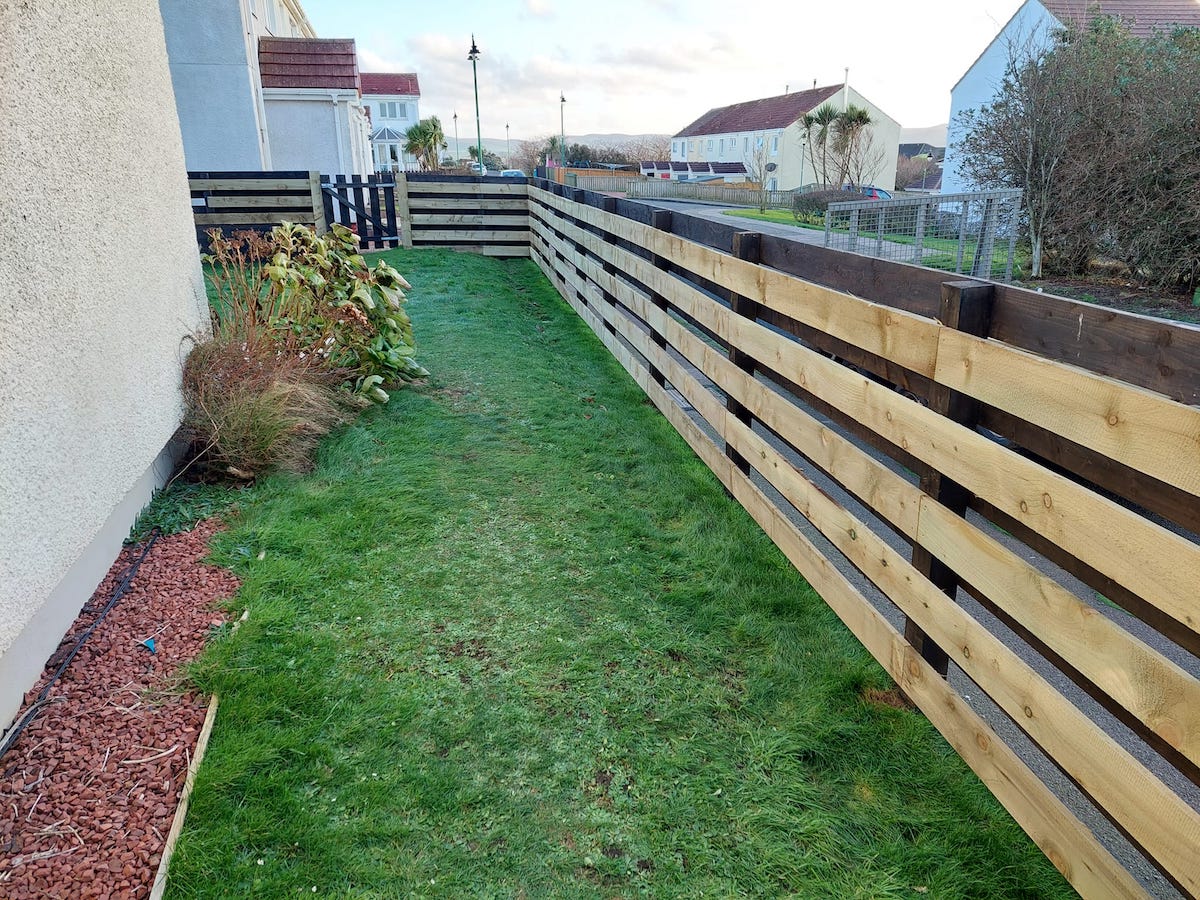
x,y
721,146
691,146
758,142
745,144
393,110
775,145
710,145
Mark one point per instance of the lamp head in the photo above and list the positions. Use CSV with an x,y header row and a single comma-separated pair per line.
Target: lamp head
x,y
474,54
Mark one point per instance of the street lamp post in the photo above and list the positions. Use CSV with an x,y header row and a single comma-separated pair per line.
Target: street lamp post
x,y
562,145
507,144
473,56
457,149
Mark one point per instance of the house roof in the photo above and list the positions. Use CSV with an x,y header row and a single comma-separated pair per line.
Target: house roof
x,y
308,63
759,115
390,83
1142,16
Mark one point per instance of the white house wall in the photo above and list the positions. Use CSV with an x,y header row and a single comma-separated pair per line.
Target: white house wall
x,y
982,81
214,71
92,336
317,129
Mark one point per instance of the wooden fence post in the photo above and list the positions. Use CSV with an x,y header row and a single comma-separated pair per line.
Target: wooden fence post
x,y
320,224
747,245
660,219
966,306
609,205
405,220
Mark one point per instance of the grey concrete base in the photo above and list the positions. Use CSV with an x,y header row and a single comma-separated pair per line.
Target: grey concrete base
x,y
22,665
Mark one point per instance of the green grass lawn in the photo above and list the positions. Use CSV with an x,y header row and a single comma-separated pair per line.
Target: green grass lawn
x,y
940,253
511,639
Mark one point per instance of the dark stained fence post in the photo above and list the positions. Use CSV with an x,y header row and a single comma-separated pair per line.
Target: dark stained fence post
x,y
966,306
661,220
747,245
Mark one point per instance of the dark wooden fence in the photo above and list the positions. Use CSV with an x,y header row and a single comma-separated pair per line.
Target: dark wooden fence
x,y
953,442
365,205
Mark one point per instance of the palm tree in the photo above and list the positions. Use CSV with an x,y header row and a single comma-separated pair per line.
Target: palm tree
x,y
850,128
825,121
426,141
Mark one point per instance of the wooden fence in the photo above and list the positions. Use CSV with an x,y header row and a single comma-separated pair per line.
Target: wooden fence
x,y
233,201
952,441
488,215
658,189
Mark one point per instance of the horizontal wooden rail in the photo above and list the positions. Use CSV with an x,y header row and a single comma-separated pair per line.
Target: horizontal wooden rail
x,y
658,301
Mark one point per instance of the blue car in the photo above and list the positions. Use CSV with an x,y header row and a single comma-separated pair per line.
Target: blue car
x,y
870,191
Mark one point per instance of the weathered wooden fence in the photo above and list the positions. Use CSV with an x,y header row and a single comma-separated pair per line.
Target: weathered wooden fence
x,y
954,442
230,201
658,189
488,215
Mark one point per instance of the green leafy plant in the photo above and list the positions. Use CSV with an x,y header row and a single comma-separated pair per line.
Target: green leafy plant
x,y
811,207
309,295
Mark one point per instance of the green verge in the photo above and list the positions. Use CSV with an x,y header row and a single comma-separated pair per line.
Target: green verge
x,y
511,639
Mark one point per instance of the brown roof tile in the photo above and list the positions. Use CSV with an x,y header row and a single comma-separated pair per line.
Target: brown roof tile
x,y
308,63
758,115
1142,16
390,83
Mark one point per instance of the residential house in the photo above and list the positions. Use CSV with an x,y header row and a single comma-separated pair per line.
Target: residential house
x,y
392,101
1031,27
212,46
90,347
771,127
313,103
232,118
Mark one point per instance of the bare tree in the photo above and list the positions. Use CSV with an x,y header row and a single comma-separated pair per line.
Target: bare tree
x,y
863,157
759,167
1021,138
911,169
528,155
649,146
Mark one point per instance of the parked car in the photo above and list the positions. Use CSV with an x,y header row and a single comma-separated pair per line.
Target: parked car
x,y
869,191
514,173
477,169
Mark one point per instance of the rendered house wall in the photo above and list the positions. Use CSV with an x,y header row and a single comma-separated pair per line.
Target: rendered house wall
x,y
100,297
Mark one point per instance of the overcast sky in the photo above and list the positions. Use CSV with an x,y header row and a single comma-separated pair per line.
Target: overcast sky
x,y
637,66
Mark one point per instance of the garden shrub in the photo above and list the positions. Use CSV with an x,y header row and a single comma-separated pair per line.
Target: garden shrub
x,y
304,333
811,207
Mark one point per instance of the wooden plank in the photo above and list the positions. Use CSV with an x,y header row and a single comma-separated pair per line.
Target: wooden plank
x,y
469,234
504,250
317,200
265,202
264,218
907,339
468,219
746,246
1141,429
1151,561
481,207
389,207
378,226
1156,354
360,216
1068,844
260,185
405,221
517,189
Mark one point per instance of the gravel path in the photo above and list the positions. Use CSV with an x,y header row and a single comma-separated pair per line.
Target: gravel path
x,y
88,791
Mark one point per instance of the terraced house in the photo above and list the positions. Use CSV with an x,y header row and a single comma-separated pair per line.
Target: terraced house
x,y
771,128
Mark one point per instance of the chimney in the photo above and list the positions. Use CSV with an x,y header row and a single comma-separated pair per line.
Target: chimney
x,y
846,90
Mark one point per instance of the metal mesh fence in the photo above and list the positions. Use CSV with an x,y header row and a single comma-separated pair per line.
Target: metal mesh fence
x,y
972,234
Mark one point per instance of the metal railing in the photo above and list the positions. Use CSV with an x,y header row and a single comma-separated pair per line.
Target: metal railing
x,y
973,234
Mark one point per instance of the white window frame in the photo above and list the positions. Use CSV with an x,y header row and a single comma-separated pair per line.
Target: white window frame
x,y
775,145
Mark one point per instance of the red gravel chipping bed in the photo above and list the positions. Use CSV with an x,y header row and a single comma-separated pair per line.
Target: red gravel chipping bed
x,y
88,791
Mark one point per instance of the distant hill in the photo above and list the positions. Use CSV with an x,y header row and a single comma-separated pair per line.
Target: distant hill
x,y
934,135
500,147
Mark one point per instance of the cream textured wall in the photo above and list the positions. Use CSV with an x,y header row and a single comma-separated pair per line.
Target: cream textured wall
x,y
100,289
